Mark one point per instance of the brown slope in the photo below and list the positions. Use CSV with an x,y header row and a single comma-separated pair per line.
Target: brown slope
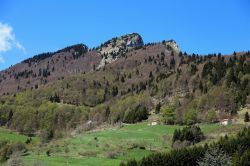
x,y
32,73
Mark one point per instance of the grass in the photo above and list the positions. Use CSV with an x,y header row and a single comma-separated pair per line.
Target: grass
x,y
12,136
129,142
70,161
111,146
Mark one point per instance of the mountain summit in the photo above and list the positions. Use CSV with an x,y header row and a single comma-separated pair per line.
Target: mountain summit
x,y
118,46
171,46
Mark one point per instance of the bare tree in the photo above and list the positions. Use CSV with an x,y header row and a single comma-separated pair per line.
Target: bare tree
x,y
215,157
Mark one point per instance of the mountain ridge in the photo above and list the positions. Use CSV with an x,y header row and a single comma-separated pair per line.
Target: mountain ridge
x,y
51,66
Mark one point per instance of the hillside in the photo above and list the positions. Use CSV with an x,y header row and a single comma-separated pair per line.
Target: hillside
x,y
49,67
156,73
78,89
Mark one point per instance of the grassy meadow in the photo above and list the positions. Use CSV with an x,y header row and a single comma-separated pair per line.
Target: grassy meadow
x,y
110,146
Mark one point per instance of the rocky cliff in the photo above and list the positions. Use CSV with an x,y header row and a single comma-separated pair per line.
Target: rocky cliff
x,y
116,47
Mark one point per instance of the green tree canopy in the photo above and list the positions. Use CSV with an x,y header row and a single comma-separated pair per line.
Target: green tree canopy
x,y
168,114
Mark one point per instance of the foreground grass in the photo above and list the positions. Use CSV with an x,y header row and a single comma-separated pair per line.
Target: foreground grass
x,y
12,136
111,146
129,142
72,161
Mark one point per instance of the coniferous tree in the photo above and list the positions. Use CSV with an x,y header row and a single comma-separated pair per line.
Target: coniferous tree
x,y
201,86
172,63
246,119
168,114
193,69
158,108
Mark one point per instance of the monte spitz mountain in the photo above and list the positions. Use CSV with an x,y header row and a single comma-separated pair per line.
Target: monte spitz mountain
x,y
122,80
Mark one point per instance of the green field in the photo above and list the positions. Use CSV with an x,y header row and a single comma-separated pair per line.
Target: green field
x,y
110,146
6,134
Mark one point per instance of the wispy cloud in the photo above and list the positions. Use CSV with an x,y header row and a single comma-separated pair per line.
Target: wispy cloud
x,y
8,40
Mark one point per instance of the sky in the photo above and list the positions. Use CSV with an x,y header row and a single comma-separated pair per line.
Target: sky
x,y
31,27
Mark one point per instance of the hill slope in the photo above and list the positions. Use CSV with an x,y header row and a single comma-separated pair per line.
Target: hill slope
x,y
73,88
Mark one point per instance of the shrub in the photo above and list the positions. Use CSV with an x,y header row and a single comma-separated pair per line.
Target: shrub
x,y
211,116
190,117
168,115
180,144
88,153
28,140
246,118
193,69
192,134
112,154
15,160
7,149
136,115
46,136
158,108
48,153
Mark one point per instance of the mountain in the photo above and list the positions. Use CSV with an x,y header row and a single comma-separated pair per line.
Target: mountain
x,y
116,47
49,67
122,80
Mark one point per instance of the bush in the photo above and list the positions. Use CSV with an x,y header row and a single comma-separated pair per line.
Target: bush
x,y
190,117
7,149
168,115
112,154
46,136
88,153
141,145
48,153
211,116
158,108
190,134
246,118
136,115
180,144
15,160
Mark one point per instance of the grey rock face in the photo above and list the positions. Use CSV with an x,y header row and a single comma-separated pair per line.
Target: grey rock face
x,y
172,46
116,47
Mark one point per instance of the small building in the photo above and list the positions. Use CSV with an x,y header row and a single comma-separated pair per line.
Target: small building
x,y
89,122
153,123
226,122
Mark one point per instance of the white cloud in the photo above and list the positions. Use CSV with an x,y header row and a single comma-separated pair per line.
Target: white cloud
x,y
8,40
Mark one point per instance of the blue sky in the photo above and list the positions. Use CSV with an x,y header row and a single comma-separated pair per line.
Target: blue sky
x,y
30,27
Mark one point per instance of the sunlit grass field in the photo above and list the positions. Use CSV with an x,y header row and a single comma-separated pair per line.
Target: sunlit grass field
x,y
128,142
111,146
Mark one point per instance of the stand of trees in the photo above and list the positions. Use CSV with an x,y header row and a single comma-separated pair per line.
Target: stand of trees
x,y
228,151
189,134
136,115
